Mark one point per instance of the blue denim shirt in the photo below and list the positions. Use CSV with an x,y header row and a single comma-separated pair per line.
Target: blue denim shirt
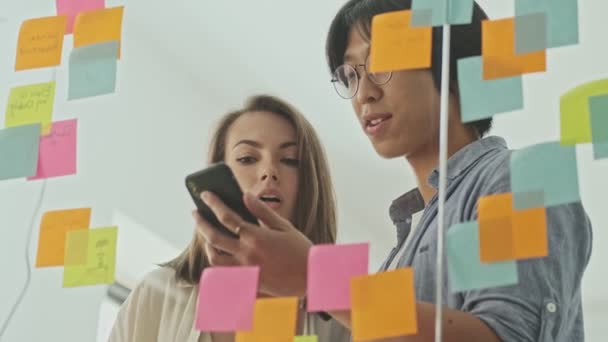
x,y
546,304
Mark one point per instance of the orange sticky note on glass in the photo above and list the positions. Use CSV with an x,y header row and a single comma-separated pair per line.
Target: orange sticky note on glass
x,y
98,26
509,234
274,320
498,50
383,305
40,43
54,228
397,46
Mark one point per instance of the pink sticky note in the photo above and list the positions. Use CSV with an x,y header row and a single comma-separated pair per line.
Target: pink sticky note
x,y
226,298
71,8
330,268
57,151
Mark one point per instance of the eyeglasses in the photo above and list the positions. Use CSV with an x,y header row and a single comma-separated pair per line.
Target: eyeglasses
x,y
346,79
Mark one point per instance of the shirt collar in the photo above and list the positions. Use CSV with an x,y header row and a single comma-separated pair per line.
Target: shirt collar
x,y
466,157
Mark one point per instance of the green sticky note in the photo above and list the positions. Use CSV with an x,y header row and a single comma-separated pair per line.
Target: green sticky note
x,y
465,269
99,245
19,151
562,19
598,108
530,33
433,12
547,167
31,104
93,70
479,98
574,112
312,338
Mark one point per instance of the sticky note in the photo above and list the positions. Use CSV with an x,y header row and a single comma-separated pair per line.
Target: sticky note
x,y
529,173
330,269
562,19
226,298
598,108
465,269
92,70
383,305
274,320
312,338
98,26
70,8
574,112
498,50
479,98
54,228
19,151
397,46
509,234
530,33
433,12
40,43
31,104
57,151
100,247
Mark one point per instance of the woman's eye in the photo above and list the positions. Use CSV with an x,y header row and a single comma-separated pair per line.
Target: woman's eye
x,y
246,160
291,161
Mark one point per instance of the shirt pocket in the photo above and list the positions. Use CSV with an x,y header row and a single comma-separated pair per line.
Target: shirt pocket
x,y
549,324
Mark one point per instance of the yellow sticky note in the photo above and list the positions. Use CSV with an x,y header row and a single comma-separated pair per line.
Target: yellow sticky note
x,y
98,26
574,112
274,320
54,228
498,50
31,104
397,46
383,305
509,234
100,257
40,42
311,338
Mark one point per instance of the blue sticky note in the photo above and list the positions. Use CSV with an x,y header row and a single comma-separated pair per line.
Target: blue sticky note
x,y
465,269
562,19
598,109
19,151
479,98
530,33
93,70
433,12
547,167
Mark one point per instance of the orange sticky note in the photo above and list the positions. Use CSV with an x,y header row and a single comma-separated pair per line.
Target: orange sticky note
x,y
274,320
397,46
54,228
498,50
98,26
509,234
383,305
40,43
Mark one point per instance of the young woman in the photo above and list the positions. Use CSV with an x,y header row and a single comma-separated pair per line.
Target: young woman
x,y
399,112
275,155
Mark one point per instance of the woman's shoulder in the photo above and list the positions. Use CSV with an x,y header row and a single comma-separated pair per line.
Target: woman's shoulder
x,y
160,282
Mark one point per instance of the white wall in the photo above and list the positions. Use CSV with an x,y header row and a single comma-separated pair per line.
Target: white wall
x,y
186,63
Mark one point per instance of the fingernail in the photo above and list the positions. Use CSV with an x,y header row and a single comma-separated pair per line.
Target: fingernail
x,y
205,196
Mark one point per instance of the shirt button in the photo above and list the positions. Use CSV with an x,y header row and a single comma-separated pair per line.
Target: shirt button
x,y
551,307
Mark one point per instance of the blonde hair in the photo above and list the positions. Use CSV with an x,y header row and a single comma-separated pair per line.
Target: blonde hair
x,y
315,208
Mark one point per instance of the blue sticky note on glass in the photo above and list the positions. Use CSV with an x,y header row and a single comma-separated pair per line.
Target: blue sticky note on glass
x,y
547,167
93,70
19,151
530,33
562,19
465,269
433,12
598,110
479,98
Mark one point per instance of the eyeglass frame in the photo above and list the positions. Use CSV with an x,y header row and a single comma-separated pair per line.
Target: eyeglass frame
x,y
334,79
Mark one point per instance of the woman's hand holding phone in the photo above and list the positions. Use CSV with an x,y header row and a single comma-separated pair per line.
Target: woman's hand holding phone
x,y
280,250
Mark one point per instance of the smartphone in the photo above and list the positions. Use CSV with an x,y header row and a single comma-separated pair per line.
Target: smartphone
x,y
218,179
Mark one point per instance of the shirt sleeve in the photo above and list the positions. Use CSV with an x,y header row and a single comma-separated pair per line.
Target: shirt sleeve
x,y
547,298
